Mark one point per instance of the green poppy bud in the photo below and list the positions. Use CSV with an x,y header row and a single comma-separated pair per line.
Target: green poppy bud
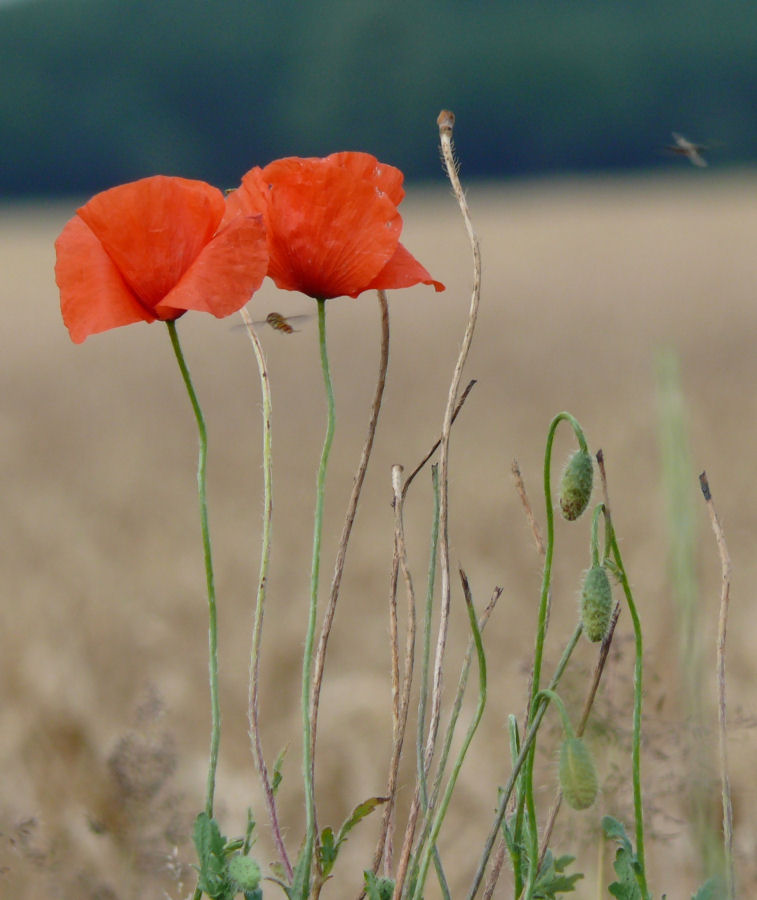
x,y
244,872
576,483
578,777
596,603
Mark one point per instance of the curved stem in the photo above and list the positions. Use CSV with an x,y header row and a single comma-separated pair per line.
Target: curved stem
x,y
257,632
641,875
526,795
215,710
307,657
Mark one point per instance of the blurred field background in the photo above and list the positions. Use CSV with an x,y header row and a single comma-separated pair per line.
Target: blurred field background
x,y
600,254
104,714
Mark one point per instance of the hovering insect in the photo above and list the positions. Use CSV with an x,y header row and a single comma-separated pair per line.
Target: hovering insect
x,y
685,147
284,324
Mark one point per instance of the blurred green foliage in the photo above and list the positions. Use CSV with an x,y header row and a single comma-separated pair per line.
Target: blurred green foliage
x,y
94,92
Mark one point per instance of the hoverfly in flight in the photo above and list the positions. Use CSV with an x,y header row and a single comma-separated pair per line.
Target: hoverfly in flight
x,y
685,147
283,324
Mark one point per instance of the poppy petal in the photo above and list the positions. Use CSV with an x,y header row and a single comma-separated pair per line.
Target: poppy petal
x,y
154,229
226,273
403,270
328,233
93,295
365,167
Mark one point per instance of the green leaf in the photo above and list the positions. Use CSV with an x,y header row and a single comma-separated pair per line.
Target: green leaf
x,y
359,812
211,846
300,886
626,864
277,774
712,889
378,888
330,847
552,881
328,851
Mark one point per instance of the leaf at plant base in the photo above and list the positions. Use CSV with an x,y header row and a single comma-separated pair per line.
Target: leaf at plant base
x,y
359,812
552,879
377,888
327,851
615,831
712,889
300,886
210,845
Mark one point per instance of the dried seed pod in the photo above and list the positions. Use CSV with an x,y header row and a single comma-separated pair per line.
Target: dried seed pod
x,y
576,484
596,603
578,777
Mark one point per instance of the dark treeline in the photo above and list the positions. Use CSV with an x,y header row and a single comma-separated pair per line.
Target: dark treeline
x,y
94,92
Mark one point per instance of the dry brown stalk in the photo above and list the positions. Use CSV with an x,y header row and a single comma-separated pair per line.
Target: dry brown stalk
x,y
445,122
725,597
253,698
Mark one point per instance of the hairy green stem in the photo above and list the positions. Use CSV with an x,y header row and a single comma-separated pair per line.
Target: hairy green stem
x,y
215,731
526,798
641,875
307,659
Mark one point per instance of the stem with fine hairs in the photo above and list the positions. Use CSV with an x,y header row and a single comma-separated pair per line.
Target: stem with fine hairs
x,y
349,519
253,706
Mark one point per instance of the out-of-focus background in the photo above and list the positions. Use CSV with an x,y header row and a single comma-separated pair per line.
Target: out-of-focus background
x,y
609,265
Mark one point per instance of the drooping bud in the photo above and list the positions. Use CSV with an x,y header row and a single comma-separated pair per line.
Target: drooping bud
x,y
578,777
596,603
576,484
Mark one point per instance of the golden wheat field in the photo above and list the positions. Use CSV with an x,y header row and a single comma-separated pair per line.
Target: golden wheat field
x,y
103,646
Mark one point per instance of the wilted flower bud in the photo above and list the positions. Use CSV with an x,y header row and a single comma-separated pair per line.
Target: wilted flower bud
x,y
596,603
578,777
244,872
575,487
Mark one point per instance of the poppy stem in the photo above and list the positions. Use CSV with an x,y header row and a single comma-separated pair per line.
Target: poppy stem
x,y
307,659
215,731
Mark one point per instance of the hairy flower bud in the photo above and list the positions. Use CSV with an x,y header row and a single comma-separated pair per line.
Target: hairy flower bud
x,y
578,777
596,603
244,872
576,484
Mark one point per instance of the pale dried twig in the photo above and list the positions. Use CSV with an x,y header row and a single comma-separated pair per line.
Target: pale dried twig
x,y
253,704
725,596
445,122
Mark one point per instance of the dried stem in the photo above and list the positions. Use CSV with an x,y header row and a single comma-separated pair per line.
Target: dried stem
x,y
400,697
427,457
521,489
349,519
725,596
265,554
446,121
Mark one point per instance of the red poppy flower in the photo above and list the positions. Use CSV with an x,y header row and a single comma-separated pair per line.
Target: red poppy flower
x,y
152,249
332,224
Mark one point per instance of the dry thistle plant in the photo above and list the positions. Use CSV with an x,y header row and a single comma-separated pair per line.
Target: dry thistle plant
x,y
329,228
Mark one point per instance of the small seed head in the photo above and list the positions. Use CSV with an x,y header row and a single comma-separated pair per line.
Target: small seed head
x,y
576,484
578,777
596,603
244,872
